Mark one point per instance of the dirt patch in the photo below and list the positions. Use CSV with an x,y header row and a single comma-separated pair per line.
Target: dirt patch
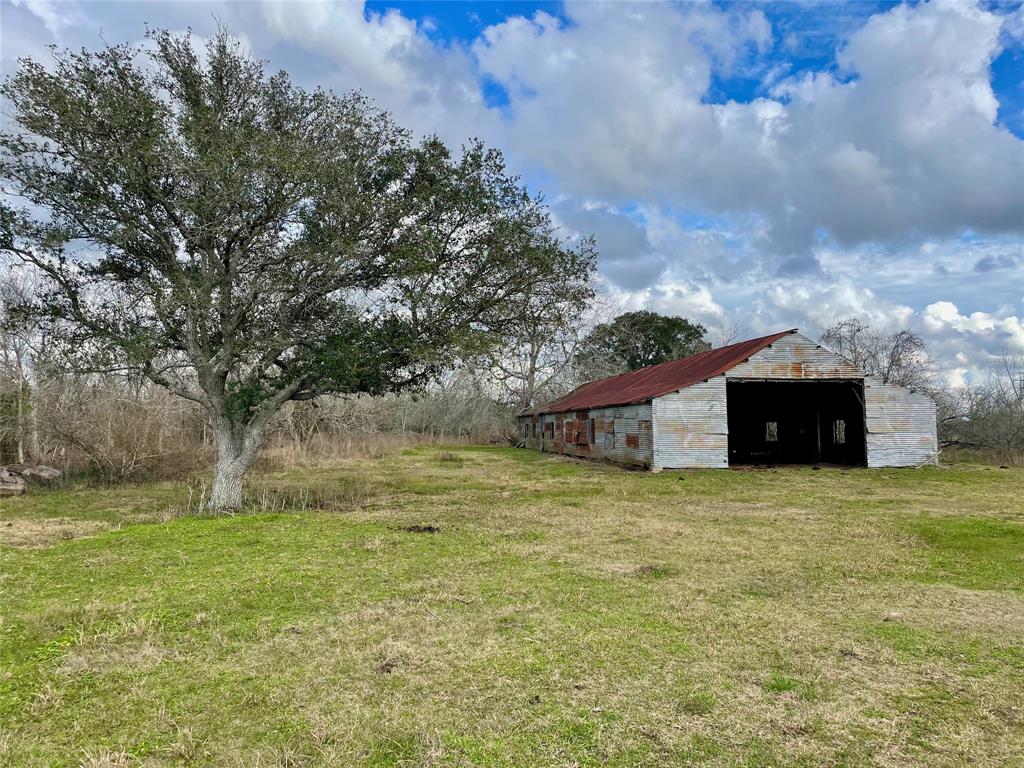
x,y
44,532
421,529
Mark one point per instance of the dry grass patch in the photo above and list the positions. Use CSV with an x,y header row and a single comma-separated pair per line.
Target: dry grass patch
x,y
106,758
45,532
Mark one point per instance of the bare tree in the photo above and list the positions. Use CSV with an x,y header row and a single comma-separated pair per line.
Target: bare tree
x,y
988,417
896,358
18,338
538,364
1007,380
117,428
728,333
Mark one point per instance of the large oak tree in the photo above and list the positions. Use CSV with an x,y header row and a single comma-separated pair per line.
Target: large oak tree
x,y
245,242
637,339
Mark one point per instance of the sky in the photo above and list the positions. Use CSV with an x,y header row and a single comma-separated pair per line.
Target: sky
x,y
752,166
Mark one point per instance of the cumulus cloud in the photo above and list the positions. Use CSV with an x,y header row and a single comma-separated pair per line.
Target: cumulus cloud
x,y
814,305
1013,24
626,257
674,297
431,87
901,141
965,346
993,262
969,346
612,101
1007,329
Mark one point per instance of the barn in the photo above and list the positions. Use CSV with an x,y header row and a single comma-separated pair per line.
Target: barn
x,y
778,399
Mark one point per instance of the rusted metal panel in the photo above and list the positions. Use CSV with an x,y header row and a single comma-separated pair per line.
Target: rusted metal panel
x,y
540,435
691,427
530,431
622,434
901,426
627,435
642,385
794,357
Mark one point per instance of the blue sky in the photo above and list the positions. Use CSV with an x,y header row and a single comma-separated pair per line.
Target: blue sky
x,y
818,27
760,165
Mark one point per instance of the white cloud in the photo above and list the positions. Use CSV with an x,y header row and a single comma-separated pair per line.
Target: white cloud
x,y
673,297
813,305
56,16
969,346
1006,330
612,101
965,346
430,87
687,299
614,104
1013,24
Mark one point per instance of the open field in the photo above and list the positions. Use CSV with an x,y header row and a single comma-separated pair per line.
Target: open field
x,y
474,606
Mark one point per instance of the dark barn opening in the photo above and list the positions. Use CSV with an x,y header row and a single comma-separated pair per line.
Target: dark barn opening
x,y
796,422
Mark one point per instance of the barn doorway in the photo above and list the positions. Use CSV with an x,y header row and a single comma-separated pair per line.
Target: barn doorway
x,y
796,422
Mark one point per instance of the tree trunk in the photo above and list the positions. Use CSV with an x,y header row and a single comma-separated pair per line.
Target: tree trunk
x,y
237,446
20,417
33,434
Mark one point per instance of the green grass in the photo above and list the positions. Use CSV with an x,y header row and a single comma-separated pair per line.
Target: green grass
x,y
494,607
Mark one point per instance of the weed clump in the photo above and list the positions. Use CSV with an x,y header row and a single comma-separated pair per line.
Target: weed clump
x,y
449,459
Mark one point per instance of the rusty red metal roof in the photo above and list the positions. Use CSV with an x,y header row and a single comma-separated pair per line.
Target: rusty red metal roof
x,y
656,380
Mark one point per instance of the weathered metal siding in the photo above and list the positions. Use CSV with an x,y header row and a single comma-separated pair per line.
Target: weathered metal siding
x,y
530,431
623,433
691,427
794,357
901,426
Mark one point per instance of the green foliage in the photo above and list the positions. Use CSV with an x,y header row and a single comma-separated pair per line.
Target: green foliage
x,y
637,339
245,242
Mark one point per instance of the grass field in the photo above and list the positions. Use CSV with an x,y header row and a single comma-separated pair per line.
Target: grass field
x,y
475,606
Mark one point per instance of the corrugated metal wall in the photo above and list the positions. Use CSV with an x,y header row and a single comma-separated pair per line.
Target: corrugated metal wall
x,y
795,357
623,434
691,427
628,434
901,426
